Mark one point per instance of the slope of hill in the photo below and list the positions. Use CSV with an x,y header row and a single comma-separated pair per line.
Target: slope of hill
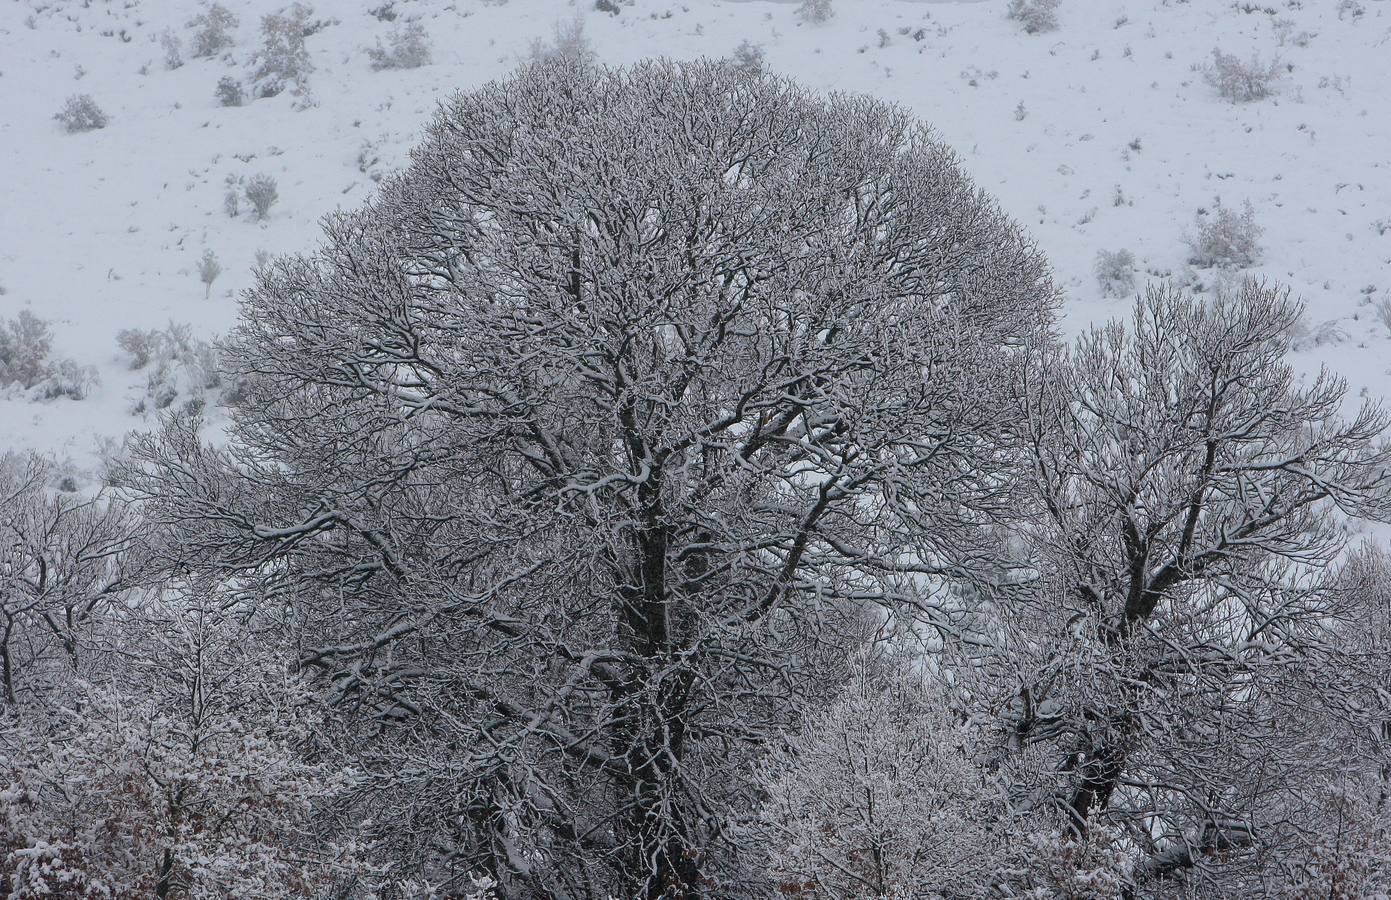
x,y
1104,134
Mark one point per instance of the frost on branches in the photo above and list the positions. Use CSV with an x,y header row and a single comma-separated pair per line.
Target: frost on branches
x,y
188,779
877,796
583,460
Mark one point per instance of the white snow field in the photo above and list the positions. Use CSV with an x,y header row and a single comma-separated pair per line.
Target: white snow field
x,y
1101,135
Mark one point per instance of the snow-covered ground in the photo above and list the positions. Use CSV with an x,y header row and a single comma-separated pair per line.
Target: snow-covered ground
x,y
1102,134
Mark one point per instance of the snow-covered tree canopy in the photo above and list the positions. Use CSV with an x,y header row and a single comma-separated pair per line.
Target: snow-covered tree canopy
x,y
582,452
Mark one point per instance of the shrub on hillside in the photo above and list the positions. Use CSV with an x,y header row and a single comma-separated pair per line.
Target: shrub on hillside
x,y
229,92
1241,82
1226,239
407,48
748,57
208,270
65,378
81,113
25,342
1035,15
569,42
261,193
173,50
1115,272
815,11
213,30
283,58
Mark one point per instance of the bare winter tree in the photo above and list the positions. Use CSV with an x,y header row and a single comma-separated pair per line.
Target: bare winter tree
x,y
1192,493
577,451
62,560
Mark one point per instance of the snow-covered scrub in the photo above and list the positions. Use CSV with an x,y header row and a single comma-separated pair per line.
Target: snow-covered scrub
x,y
81,113
406,48
213,30
25,342
612,528
1242,81
568,42
1115,272
261,192
1226,238
815,12
283,59
748,57
1034,16
229,91
208,270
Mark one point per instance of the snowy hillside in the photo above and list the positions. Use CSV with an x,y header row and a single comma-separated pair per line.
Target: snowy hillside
x,y
1103,134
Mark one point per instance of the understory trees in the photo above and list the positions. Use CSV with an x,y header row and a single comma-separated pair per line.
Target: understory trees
x,y
586,456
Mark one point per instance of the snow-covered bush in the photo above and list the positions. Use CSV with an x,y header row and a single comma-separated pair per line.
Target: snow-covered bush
x,y
407,48
748,57
208,270
229,91
261,193
173,50
569,42
877,796
815,11
1238,81
1226,239
1115,272
283,58
24,344
81,113
213,30
1036,16
65,378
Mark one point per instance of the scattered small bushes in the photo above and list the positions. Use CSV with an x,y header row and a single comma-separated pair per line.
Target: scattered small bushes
x,y
1226,239
213,31
81,113
1037,16
181,367
261,193
1241,82
407,48
229,92
815,11
1115,272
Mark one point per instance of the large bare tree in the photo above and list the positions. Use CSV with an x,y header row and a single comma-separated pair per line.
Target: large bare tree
x,y
577,454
